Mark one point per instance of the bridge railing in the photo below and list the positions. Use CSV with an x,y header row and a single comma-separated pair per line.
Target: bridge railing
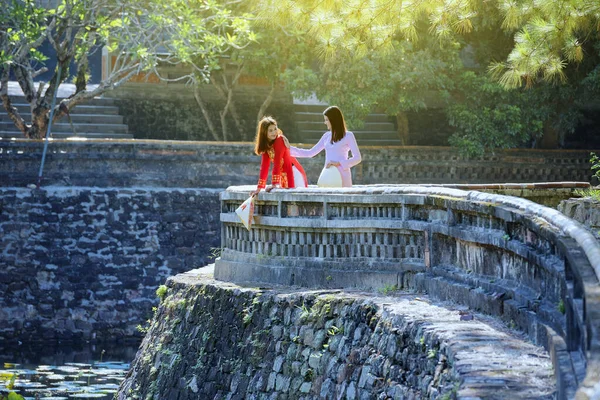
x,y
524,263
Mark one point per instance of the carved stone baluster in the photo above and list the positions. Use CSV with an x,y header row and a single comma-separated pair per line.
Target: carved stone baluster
x,y
309,245
299,239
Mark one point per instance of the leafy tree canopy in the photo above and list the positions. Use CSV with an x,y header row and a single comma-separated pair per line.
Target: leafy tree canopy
x,y
548,35
404,56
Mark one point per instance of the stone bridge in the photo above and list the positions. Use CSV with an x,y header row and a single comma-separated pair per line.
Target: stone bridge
x,y
524,263
114,218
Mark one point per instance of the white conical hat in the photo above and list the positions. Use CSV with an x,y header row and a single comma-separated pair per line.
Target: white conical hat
x,y
330,177
246,212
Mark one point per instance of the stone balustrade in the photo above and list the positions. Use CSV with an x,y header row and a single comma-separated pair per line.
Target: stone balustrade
x,y
524,263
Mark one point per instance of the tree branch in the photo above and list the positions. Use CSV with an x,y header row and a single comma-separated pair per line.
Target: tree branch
x,y
13,112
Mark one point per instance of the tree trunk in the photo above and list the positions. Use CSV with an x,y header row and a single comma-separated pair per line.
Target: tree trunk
x,y
403,131
225,90
39,122
224,113
206,114
237,120
550,139
80,80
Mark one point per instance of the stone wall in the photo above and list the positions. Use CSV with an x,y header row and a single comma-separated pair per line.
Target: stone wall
x,y
84,263
127,163
585,210
213,340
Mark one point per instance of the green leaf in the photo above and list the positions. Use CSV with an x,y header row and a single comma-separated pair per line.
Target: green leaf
x,y
15,396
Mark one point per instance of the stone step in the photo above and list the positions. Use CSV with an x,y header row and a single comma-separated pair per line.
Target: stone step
x,y
64,135
79,128
79,109
83,119
304,126
97,101
318,117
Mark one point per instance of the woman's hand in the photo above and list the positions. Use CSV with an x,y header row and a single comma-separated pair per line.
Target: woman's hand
x,y
255,193
332,164
268,189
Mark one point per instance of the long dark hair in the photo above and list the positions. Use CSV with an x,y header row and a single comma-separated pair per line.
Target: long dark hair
x,y
338,125
261,142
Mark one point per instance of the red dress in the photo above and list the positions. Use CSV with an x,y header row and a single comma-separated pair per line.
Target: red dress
x,y
282,174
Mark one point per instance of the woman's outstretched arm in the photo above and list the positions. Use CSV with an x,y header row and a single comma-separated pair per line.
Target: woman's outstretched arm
x,y
308,153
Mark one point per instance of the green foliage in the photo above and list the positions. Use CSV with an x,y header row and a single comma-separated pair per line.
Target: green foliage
x,y
161,292
549,37
146,328
334,330
215,252
141,36
410,77
396,58
11,378
487,117
305,313
561,306
595,161
12,396
590,192
388,289
593,193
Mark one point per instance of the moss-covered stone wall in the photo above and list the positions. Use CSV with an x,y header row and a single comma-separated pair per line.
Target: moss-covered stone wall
x,y
215,342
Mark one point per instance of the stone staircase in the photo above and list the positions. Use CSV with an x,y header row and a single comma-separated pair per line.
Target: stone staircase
x,y
378,130
95,119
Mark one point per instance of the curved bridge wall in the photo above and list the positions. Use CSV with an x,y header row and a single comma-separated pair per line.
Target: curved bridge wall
x,y
522,262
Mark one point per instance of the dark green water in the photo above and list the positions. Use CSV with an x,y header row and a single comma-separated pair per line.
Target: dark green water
x,y
65,372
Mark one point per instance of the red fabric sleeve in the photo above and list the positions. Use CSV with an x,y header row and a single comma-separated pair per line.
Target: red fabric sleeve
x,y
264,171
279,147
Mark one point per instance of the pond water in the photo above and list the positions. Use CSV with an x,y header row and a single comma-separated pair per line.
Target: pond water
x,y
65,372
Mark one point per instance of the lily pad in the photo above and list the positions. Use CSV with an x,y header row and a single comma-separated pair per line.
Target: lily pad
x,y
56,398
29,385
55,377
